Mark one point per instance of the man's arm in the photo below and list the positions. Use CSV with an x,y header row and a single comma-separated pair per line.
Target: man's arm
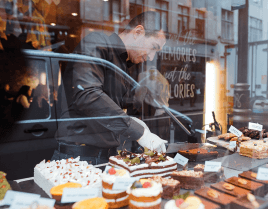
x,y
89,99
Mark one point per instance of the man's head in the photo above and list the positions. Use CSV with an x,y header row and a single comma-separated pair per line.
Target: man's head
x,y
143,37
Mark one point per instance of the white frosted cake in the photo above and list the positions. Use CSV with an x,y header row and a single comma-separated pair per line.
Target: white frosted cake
x,y
49,174
144,166
114,198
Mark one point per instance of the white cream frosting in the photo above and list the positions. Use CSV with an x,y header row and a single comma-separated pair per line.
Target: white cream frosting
x,y
70,170
145,204
110,191
172,205
117,200
169,161
110,179
155,190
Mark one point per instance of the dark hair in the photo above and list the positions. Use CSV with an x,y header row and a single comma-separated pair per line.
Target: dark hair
x,y
23,91
149,20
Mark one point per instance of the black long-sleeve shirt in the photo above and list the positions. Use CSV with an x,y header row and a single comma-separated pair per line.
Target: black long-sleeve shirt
x,y
96,90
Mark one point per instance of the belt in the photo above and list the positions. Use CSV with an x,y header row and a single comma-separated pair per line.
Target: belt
x,y
86,151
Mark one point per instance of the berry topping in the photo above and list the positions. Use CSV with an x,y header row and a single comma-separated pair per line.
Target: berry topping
x,y
146,185
255,144
4,186
142,159
1,180
187,151
123,153
179,202
112,171
198,151
132,155
136,184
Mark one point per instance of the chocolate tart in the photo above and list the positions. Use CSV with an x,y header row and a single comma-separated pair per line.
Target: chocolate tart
x,y
244,203
198,154
255,187
236,192
224,200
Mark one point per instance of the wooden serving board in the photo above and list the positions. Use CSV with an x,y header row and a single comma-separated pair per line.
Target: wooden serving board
x,y
220,143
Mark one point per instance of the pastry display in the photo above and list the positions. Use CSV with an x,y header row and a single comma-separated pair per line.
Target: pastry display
x,y
170,186
199,154
189,179
226,136
253,134
191,202
255,187
144,165
253,176
210,177
56,191
93,203
230,189
114,198
247,202
4,185
145,194
222,199
254,149
49,174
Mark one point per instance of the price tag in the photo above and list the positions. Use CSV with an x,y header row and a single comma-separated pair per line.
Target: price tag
x,y
107,168
123,183
24,201
78,194
211,166
262,174
46,202
181,159
10,195
255,126
235,131
232,144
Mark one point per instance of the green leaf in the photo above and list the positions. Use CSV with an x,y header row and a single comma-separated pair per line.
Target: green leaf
x,y
126,159
119,152
182,196
135,160
150,153
146,149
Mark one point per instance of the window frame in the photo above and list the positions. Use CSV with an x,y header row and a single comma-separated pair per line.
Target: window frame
x,y
161,11
182,15
224,23
253,31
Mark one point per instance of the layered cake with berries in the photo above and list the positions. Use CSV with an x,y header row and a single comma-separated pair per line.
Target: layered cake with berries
x,y
144,165
114,198
145,194
210,177
189,179
254,149
199,154
170,186
52,173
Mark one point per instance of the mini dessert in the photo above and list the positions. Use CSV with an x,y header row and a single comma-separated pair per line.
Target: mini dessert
x,y
253,176
254,149
114,198
191,202
170,186
4,185
56,191
254,187
224,200
230,189
248,202
145,194
227,136
93,203
144,165
198,154
49,174
210,177
253,134
189,179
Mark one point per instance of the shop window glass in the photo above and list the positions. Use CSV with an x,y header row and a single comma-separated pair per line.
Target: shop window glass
x,y
255,29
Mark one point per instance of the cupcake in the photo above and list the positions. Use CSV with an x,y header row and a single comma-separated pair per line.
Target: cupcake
x,y
92,203
145,194
114,198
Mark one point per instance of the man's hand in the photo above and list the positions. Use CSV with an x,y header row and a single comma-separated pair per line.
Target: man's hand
x,y
152,142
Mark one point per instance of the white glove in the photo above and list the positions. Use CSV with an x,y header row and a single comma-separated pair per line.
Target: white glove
x,y
152,141
141,123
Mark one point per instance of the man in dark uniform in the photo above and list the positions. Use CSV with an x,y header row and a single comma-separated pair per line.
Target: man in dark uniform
x,y
93,122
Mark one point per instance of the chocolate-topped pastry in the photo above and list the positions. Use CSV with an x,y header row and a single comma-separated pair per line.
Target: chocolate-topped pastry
x,y
123,153
198,154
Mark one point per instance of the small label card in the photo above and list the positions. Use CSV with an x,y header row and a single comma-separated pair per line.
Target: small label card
x,y
23,201
232,144
255,126
107,168
235,131
10,195
262,174
123,183
47,202
211,166
181,159
78,194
